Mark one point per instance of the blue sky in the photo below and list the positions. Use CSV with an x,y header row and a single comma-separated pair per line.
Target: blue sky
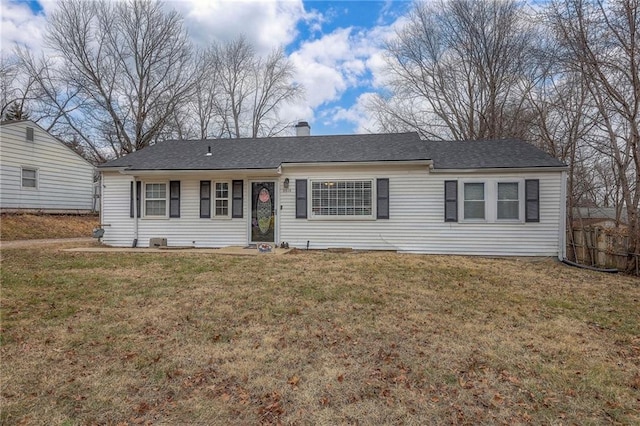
x,y
336,46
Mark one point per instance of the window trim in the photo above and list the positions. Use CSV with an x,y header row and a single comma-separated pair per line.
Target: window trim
x,y
36,178
214,198
166,198
521,194
491,200
461,216
370,217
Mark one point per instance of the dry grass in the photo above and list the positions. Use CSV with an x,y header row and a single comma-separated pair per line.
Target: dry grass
x,y
314,338
34,226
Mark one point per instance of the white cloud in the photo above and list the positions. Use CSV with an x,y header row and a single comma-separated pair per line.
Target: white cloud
x,y
358,114
20,26
266,24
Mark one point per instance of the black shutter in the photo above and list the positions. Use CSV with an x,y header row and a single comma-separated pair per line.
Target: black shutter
x,y
174,198
450,200
138,191
205,198
532,198
382,194
301,198
236,204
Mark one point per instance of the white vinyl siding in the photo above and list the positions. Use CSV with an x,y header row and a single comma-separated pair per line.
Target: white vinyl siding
x,y
415,224
64,179
187,230
416,212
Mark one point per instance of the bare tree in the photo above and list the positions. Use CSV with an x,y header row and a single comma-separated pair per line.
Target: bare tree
x,y
16,89
128,67
246,91
601,41
458,68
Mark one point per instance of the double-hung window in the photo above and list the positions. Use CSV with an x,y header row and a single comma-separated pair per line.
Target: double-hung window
x,y
474,205
155,199
221,199
508,203
492,200
342,198
220,196
29,177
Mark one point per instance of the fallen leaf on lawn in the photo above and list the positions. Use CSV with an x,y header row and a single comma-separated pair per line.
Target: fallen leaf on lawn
x,y
294,380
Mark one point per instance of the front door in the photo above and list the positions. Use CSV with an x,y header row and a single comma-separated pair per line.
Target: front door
x,y
263,206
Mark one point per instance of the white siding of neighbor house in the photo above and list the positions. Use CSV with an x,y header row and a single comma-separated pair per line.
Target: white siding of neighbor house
x,y
64,179
416,208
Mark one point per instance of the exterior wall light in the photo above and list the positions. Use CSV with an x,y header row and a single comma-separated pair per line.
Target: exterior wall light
x,y
286,183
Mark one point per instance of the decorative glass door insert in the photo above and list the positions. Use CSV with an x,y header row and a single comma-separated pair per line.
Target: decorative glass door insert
x,y
262,212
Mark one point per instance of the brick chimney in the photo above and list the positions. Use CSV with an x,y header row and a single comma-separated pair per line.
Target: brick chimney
x,y
303,129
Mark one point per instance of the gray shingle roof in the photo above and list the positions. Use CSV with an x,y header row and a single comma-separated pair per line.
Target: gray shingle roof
x,y
269,153
488,154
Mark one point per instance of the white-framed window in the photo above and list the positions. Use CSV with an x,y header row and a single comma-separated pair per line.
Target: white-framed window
x,y
342,198
29,177
474,206
508,201
221,199
155,199
487,200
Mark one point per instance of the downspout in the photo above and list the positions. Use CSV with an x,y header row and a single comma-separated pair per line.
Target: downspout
x,y
135,213
562,228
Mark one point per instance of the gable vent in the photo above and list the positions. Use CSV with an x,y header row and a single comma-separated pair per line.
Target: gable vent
x,y
30,134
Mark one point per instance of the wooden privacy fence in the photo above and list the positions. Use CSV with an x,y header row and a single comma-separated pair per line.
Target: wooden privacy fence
x,y
601,247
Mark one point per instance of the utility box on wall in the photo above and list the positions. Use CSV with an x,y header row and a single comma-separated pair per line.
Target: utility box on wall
x,y
158,242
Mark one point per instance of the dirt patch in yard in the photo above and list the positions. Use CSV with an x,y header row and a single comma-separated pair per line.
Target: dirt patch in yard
x,y
314,338
41,226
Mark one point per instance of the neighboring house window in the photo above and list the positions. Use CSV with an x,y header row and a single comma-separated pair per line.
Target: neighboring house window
x,y
508,201
474,201
351,198
30,134
221,199
155,199
29,178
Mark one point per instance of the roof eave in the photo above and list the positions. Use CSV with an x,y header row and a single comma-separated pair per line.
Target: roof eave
x,y
137,172
502,169
359,163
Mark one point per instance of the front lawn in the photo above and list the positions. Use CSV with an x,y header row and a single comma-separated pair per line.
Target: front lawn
x,y
314,338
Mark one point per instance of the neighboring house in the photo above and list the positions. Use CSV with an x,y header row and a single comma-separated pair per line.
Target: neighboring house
x,y
39,173
378,192
604,217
